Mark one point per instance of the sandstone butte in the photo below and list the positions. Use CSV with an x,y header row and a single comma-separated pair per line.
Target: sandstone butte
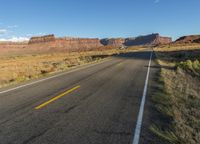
x,y
50,42
188,39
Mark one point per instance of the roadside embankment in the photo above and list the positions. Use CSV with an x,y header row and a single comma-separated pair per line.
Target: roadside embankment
x,y
178,96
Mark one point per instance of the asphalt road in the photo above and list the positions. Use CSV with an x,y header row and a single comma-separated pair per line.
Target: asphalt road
x,y
92,105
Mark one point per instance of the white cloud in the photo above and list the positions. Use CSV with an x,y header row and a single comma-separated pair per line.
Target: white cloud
x,y
3,31
156,1
13,26
15,39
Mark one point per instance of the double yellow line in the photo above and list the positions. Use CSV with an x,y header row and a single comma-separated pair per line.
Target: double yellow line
x,y
56,97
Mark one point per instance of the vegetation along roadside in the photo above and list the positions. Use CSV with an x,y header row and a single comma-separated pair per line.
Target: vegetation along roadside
x,y
177,99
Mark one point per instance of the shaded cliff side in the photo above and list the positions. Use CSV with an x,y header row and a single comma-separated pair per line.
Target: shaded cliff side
x,y
188,39
42,39
152,39
116,42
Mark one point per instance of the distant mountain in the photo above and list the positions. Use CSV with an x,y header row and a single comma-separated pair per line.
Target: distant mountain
x,y
152,39
188,39
52,43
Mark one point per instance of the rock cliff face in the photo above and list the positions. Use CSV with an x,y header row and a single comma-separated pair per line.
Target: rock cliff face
x,y
197,40
152,39
116,42
50,43
42,39
188,39
82,44
70,44
78,43
162,40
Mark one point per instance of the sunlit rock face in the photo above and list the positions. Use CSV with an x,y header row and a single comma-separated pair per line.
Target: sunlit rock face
x,y
67,43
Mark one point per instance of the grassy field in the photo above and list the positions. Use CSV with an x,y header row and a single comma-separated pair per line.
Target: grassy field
x,y
23,67
178,95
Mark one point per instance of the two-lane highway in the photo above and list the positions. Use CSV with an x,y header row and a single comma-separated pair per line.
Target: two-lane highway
x,y
92,105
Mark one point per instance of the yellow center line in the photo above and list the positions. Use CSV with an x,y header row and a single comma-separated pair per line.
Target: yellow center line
x,y
56,97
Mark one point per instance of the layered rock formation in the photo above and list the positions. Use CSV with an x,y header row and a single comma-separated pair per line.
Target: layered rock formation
x,y
81,44
78,43
162,40
188,39
63,44
152,39
42,39
91,43
197,40
116,42
50,43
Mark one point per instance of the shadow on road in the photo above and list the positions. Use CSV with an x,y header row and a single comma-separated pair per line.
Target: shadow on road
x,y
135,55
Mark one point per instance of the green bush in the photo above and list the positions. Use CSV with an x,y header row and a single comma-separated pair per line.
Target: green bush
x,y
190,66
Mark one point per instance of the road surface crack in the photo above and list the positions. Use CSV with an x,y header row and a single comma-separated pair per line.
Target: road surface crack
x,y
34,137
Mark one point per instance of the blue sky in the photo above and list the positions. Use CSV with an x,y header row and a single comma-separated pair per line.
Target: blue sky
x,y
98,18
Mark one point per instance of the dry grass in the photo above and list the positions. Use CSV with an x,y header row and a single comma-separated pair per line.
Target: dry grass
x,y
177,47
179,98
23,67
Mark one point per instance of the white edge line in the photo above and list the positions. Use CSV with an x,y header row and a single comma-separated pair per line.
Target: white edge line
x,y
141,111
58,75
